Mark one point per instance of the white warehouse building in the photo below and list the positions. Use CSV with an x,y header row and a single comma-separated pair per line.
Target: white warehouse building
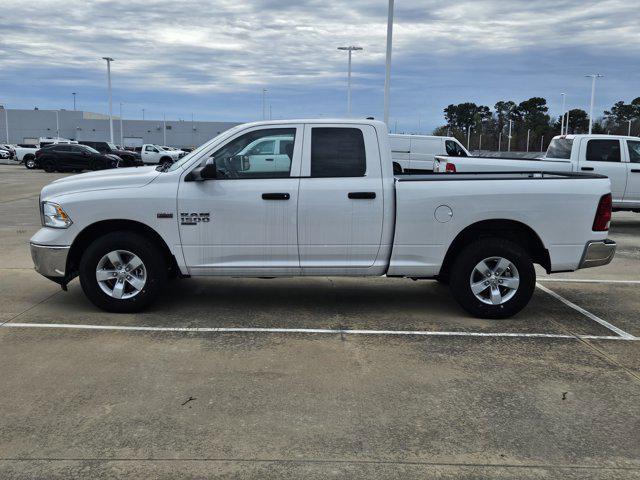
x,y
26,126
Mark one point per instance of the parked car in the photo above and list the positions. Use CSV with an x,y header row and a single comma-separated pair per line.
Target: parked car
x,y
26,153
5,154
44,141
416,153
129,159
617,157
335,209
181,153
69,157
154,155
9,148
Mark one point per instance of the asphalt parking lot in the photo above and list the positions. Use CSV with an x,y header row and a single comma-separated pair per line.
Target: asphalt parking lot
x,y
316,377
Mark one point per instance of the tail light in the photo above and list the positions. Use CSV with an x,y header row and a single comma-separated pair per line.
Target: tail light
x,y
603,214
450,168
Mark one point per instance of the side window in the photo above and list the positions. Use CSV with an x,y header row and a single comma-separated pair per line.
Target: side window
x,y
634,151
286,148
603,150
454,149
150,148
245,156
266,147
337,152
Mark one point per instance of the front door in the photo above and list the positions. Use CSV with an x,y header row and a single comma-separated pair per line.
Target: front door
x,y
340,209
632,192
244,221
603,156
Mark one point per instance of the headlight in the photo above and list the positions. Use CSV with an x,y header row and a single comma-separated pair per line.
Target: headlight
x,y
54,216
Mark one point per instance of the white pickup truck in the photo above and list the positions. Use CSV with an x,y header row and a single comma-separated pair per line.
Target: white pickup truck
x,y
156,155
335,208
617,157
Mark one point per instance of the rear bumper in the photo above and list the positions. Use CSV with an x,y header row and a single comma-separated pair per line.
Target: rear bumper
x,y
598,253
50,261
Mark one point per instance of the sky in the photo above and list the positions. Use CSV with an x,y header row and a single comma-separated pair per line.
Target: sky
x,y
212,59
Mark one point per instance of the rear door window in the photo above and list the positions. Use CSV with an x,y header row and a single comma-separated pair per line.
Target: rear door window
x,y
634,151
560,148
337,152
603,151
454,149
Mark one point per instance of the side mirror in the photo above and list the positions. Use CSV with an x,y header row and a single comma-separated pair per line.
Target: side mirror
x,y
208,172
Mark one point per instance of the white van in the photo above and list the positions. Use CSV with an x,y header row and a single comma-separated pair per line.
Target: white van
x,y
415,153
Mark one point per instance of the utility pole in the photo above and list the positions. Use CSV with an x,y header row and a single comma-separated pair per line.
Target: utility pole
x,y
121,134
562,121
541,142
6,122
109,60
480,142
566,125
593,77
628,132
74,101
264,111
468,136
528,131
143,113
509,142
387,74
500,141
57,125
349,49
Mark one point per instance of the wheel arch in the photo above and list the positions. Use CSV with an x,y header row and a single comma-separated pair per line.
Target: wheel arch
x,y
513,230
97,229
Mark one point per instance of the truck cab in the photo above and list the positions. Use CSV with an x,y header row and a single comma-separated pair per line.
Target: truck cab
x,y
155,155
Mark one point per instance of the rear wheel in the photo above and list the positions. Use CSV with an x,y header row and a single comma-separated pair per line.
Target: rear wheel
x,y
122,272
493,278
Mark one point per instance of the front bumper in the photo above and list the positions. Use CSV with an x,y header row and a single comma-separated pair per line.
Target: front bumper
x,y
50,261
598,253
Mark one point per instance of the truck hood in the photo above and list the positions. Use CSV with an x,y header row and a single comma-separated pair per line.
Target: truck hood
x,y
101,180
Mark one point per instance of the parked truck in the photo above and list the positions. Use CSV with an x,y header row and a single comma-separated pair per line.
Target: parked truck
x,y
155,155
335,209
617,157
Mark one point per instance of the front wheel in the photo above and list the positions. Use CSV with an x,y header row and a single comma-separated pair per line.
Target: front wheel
x,y
30,162
122,272
493,278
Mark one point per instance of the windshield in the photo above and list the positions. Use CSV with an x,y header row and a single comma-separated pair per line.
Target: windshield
x,y
112,146
560,148
91,149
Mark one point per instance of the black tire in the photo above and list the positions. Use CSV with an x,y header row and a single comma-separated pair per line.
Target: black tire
x,y
149,253
472,255
30,162
49,166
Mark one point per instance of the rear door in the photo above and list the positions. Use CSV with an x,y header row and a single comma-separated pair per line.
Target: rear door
x,y
401,150
603,156
632,192
340,204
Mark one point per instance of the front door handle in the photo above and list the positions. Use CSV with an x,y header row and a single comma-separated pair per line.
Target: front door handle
x,y
362,195
276,196
635,170
268,159
587,169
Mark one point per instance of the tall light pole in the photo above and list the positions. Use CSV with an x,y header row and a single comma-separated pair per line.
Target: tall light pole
x,y
57,125
143,113
541,142
593,77
74,101
562,121
480,142
628,131
349,49
6,122
468,136
528,132
500,141
566,125
109,60
121,134
509,142
164,130
387,74
264,107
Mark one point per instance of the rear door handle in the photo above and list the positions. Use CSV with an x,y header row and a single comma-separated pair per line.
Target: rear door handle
x,y
362,195
276,196
268,159
587,169
635,170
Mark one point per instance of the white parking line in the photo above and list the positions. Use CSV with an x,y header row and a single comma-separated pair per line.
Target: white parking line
x,y
604,323
310,331
589,280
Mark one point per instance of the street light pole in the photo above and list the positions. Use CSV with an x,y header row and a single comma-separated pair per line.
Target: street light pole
x,y
121,134
541,142
57,125
74,101
468,136
480,142
143,113
509,142
593,77
387,75
6,122
109,60
628,132
562,121
349,49
528,131
500,141
164,130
